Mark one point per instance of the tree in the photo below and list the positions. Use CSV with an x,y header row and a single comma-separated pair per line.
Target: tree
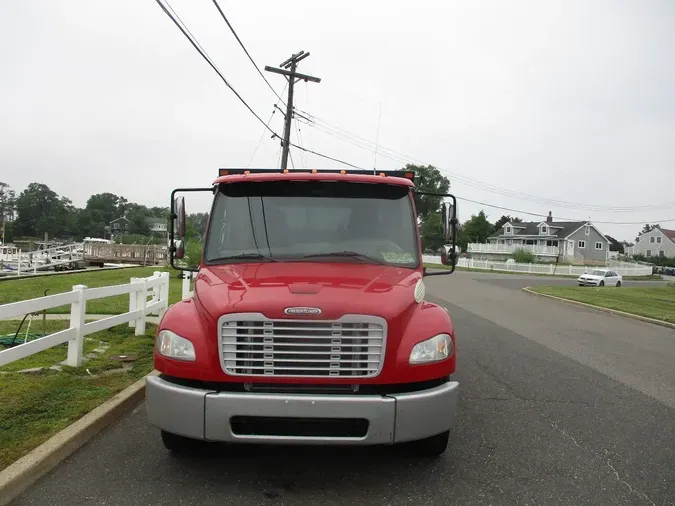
x,y
138,216
7,209
649,228
477,228
428,179
615,245
432,233
40,211
504,220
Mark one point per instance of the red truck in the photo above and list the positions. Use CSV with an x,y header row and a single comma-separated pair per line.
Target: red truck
x,y
308,323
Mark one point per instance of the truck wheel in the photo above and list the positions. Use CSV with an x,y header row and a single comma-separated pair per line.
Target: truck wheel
x,y
432,446
178,444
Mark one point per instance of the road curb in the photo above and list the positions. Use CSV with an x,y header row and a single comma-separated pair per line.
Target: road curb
x,y
661,323
28,469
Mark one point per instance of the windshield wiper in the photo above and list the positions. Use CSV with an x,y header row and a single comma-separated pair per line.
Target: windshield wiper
x,y
245,256
350,254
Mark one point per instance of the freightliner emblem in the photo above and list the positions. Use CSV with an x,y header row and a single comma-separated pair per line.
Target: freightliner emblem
x,y
302,311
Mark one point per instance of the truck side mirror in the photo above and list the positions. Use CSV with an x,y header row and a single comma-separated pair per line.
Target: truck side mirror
x,y
449,223
448,255
179,249
179,210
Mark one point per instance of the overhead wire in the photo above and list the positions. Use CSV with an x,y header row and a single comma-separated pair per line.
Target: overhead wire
x,y
391,154
202,52
222,14
208,60
356,140
274,110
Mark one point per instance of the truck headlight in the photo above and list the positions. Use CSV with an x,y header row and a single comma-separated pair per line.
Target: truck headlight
x,y
174,346
435,349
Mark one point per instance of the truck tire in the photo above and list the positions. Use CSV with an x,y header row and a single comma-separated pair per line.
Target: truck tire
x,y
178,444
433,446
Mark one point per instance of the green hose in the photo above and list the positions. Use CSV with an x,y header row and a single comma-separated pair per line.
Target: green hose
x,y
10,339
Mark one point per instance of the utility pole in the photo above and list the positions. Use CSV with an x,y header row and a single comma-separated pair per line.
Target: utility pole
x,y
288,70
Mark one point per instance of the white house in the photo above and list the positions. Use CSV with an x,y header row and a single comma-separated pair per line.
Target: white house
x,y
658,242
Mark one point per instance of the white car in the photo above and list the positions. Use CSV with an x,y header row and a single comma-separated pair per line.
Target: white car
x,y
600,277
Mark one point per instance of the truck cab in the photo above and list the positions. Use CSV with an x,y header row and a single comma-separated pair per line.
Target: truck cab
x,y
308,323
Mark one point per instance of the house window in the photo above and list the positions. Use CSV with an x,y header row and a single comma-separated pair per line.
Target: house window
x,y
598,245
652,240
588,230
544,230
658,240
649,252
507,230
581,244
662,253
501,241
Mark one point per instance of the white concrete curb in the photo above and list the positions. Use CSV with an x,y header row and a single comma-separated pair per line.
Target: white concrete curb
x,y
28,469
662,323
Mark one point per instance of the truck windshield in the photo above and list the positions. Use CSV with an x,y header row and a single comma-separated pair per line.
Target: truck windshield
x,y
312,221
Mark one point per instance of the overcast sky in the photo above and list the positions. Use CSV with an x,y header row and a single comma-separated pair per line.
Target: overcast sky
x,y
569,101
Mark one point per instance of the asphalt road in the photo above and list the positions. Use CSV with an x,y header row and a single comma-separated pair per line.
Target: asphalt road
x,y
559,405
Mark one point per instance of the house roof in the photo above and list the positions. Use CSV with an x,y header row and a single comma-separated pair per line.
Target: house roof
x,y
670,234
155,221
559,229
119,219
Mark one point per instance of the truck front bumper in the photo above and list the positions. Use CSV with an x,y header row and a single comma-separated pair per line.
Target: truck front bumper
x,y
266,418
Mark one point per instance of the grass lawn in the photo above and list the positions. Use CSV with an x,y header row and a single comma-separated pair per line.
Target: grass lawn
x,y
22,289
34,407
653,302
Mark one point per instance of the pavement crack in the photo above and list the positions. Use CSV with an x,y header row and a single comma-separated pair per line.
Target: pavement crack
x,y
632,489
603,457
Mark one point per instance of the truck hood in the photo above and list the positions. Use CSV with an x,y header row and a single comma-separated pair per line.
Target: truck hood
x,y
335,288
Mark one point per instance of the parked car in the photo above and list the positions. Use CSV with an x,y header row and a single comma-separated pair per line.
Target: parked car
x,y
600,277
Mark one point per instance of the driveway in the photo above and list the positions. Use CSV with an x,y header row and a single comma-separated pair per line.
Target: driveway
x,y
559,405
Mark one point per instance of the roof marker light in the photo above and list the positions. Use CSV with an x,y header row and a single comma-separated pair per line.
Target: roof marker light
x,y
285,171
382,174
247,172
314,171
343,172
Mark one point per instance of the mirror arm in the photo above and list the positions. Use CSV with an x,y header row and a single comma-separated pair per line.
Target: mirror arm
x,y
453,232
172,247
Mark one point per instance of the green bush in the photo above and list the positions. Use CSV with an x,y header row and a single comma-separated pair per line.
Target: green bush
x,y
523,257
193,253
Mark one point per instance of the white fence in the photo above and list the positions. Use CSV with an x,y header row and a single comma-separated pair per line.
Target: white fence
x,y
139,289
552,269
188,284
509,249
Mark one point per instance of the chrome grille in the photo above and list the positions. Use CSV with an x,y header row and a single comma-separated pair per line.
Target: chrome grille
x,y
253,345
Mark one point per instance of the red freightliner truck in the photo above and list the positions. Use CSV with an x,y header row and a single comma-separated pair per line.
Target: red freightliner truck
x,y
308,323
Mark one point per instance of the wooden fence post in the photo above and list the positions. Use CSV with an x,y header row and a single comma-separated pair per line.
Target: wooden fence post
x,y
141,303
132,301
78,310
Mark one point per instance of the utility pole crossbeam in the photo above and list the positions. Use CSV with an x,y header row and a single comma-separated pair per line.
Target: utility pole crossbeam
x,y
288,70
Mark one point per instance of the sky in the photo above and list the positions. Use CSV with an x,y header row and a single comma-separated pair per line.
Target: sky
x,y
561,106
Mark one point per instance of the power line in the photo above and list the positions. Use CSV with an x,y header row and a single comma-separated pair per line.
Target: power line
x,y
564,219
246,51
340,133
274,110
297,134
203,54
